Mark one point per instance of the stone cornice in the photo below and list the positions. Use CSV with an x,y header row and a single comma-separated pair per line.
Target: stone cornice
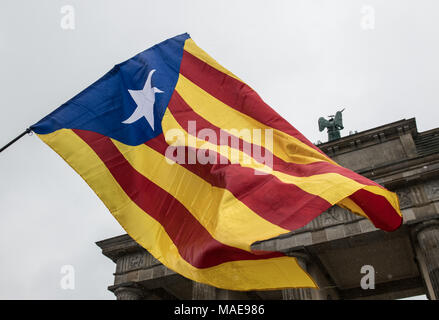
x,y
116,247
369,137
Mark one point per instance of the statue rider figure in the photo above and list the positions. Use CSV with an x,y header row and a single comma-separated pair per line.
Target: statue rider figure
x,y
334,125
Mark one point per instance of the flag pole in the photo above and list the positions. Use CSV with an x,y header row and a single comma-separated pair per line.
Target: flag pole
x,y
28,130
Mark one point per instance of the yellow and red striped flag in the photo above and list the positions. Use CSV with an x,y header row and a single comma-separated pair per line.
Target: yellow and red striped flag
x,y
196,167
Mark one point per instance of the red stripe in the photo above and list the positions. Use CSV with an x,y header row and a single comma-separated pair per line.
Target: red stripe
x,y
378,209
194,243
283,204
236,94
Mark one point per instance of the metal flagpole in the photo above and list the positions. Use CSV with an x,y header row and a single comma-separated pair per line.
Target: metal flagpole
x,y
28,130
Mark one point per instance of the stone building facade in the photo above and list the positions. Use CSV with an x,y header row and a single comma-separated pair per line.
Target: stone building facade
x,y
336,245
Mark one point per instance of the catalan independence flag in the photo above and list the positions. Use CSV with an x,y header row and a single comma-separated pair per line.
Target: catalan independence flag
x,y
196,167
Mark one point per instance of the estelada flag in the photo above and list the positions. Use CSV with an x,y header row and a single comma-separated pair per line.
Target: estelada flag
x,y
196,167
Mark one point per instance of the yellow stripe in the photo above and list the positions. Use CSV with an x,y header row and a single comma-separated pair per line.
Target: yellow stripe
x,y
272,273
226,218
332,187
347,203
193,49
285,147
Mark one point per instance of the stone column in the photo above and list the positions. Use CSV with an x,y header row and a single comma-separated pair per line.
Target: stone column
x,y
128,293
427,249
201,291
299,293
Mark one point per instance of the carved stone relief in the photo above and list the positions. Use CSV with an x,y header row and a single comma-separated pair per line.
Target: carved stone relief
x,y
135,261
405,198
432,189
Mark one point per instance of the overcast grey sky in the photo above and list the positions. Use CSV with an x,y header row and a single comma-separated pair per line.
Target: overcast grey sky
x,y
305,58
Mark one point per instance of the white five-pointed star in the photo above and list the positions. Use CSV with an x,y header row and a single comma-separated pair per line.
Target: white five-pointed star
x,y
144,99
